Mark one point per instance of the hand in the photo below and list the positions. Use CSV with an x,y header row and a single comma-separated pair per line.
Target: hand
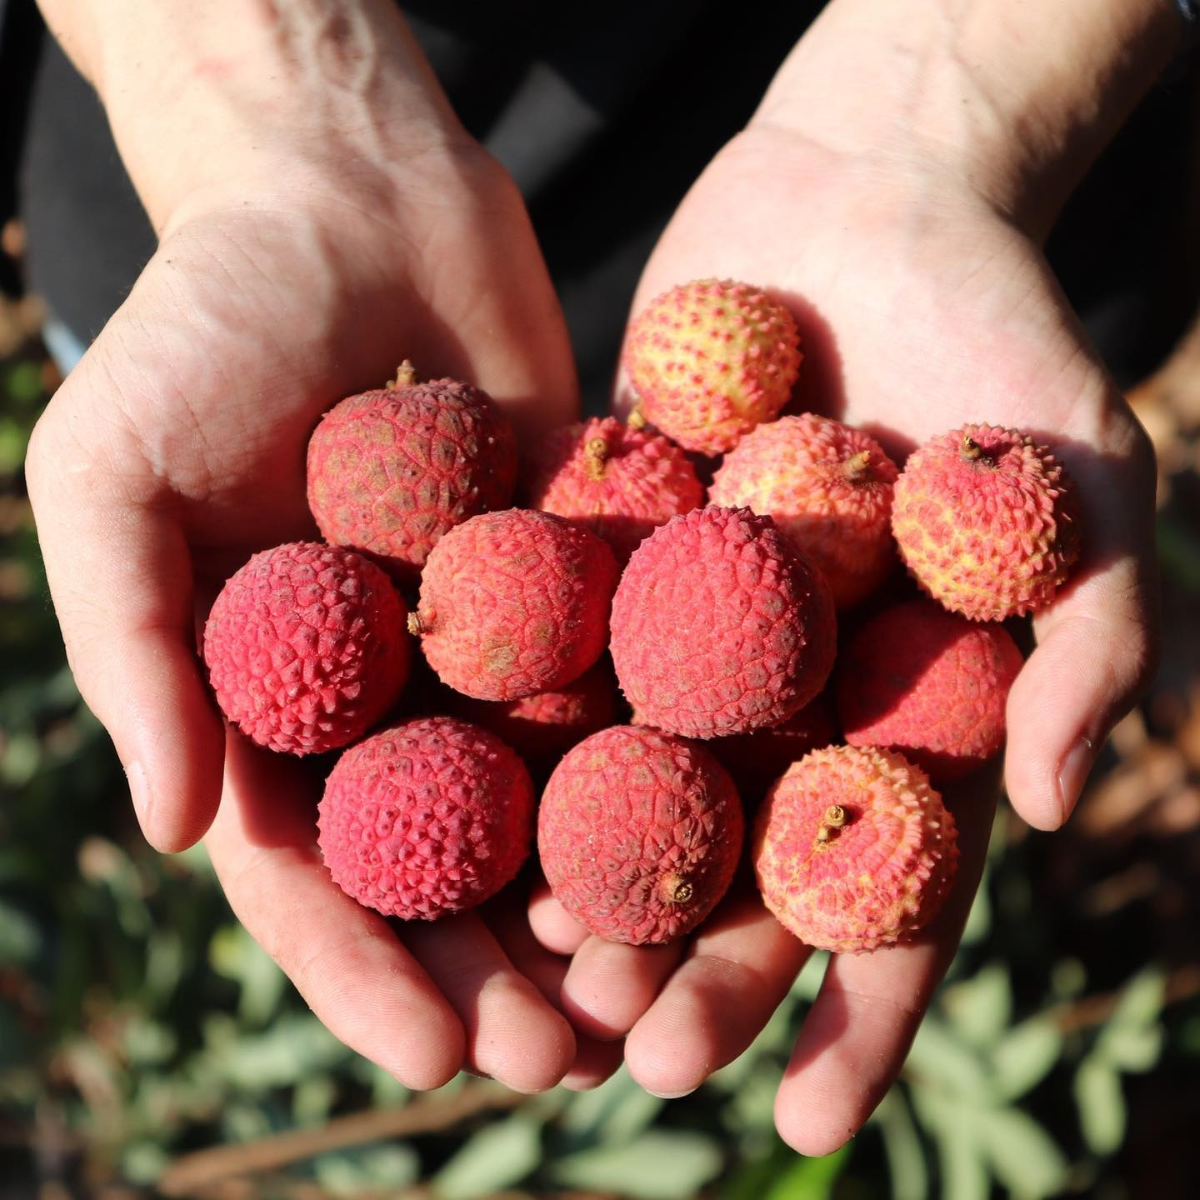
x,y
329,247
923,305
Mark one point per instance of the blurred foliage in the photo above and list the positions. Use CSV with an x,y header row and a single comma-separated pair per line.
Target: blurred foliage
x,y
140,1026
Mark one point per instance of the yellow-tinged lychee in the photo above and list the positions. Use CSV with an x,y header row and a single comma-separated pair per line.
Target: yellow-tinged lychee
x,y
711,359
853,849
986,521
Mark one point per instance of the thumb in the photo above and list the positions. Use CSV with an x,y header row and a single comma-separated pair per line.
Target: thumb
x,y
120,576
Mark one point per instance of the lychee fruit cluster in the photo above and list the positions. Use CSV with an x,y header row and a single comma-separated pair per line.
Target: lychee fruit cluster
x,y
720,619
709,360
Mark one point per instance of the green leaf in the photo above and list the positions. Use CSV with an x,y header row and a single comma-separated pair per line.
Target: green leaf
x,y
1141,1000
1101,1104
902,1145
352,1172
660,1165
808,1178
234,954
494,1158
20,938
1025,1056
1130,1048
1023,1155
808,982
938,1057
961,1158
615,1111
979,919
981,1006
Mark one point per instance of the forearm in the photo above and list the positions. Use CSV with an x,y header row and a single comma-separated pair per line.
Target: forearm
x,y
1018,97
227,93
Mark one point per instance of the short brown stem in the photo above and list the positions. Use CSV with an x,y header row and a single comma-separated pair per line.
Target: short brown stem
x,y
972,451
835,817
675,889
636,419
858,466
595,457
406,375
415,625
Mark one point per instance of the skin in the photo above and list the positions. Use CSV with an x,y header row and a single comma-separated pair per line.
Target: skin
x,y
322,215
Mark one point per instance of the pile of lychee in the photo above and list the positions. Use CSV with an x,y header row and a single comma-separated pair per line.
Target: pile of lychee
x,y
464,654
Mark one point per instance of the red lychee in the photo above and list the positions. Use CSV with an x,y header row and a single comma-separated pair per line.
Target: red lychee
x,y
853,849
711,359
639,834
828,487
618,482
306,647
720,625
390,471
930,685
427,818
514,603
986,521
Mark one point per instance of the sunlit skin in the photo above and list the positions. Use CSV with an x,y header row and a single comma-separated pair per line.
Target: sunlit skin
x,y
322,216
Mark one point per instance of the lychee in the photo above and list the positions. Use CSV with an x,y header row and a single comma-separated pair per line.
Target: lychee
x,y
853,849
514,603
543,727
711,359
986,521
639,834
618,482
306,647
828,487
427,818
390,471
720,625
757,759
929,684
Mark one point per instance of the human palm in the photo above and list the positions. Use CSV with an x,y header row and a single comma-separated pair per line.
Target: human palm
x,y
176,449
921,308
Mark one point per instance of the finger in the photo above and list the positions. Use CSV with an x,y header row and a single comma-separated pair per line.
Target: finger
x,y
345,960
610,985
595,1060
514,1034
552,925
120,574
861,1025
738,970
1098,643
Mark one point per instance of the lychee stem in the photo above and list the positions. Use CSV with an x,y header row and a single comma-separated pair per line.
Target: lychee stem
x,y
675,889
857,466
835,817
636,419
406,375
972,451
595,457
415,625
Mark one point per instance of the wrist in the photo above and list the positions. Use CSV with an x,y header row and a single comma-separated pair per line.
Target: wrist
x,y
1011,101
207,102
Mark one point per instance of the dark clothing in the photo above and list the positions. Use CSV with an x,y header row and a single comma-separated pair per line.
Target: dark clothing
x,y
604,121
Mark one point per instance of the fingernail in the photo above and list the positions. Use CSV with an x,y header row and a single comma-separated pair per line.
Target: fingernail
x,y
1073,772
139,793
672,1095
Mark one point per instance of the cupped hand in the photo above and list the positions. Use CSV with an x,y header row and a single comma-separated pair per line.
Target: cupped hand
x,y
921,308
177,448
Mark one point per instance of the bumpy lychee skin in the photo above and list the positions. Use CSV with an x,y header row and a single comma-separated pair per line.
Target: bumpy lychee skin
x,y
639,834
711,359
757,759
854,850
390,471
425,819
514,603
306,647
929,684
720,625
618,482
543,727
828,487
986,521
